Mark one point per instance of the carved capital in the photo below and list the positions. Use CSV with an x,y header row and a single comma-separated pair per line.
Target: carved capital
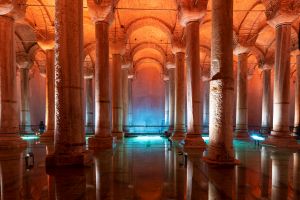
x,y
23,61
13,8
101,10
190,10
178,44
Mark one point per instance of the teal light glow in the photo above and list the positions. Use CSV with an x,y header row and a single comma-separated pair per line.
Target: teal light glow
x,y
148,138
205,138
32,137
256,137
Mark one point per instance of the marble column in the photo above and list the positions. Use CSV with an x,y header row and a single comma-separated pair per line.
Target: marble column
x,y
25,121
9,112
50,96
280,135
69,141
130,110
205,107
103,137
296,176
280,175
296,130
241,129
266,102
171,69
220,149
193,138
125,97
117,100
167,87
180,97
89,110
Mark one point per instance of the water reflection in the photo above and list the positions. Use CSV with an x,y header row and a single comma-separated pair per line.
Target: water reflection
x,y
153,170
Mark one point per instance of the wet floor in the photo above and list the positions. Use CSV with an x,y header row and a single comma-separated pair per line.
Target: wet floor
x,y
148,168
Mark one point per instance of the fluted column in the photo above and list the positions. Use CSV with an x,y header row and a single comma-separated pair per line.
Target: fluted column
x,y
89,110
50,96
9,112
69,112
25,118
266,102
180,98
220,149
125,97
280,135
171,69
296,130
167,87
241,129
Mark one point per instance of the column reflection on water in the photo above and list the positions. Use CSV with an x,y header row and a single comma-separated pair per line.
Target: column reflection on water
x,y
265,172
241,175
296,176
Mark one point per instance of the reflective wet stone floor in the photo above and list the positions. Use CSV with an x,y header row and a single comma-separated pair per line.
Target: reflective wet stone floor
x,y
149,168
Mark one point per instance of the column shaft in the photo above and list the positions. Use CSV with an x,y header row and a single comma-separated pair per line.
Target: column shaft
x,y
171,99
241,129
117,102
9,113
25,101
167,102
205,107
130,114
297,98
266,103
50,96
69,128
125,99
180,98
89,119
220,148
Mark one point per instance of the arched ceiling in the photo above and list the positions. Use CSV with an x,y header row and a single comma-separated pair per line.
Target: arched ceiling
x,y
149,26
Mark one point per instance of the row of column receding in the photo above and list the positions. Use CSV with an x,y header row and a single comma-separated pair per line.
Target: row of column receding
x,y
69,119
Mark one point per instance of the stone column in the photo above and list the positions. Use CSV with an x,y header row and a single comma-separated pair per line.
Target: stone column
x,y
171,69
241,129
101,13
191,20
296,130
69,113
125,96
280,135
167,87
266,102
9,112
296,176
50,96
130,111
265,172
180,94
89,110
25,118
205,107
220,149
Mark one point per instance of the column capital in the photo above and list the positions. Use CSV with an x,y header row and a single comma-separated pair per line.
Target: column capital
x,y
281,12
13,8
101,10
178,44
296,52
170,65
23,61
88,70
46,43
239,49
191,11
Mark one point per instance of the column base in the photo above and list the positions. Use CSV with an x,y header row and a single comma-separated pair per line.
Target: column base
x,y
296,131
63,160
217,156
194,141
97,142
242,134
178,135
265,130
11,141
281,141
118,135
47,136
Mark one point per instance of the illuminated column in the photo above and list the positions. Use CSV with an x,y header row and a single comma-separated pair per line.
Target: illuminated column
x,y
296,130
103,137
220,149
266,101
118,48
130,114
265,172
89,101
167,87
280,135
190,18
9,112
280,178
171,69
296,176
50,96
69,112
125,93
25,122
241,130
180,88
205,107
